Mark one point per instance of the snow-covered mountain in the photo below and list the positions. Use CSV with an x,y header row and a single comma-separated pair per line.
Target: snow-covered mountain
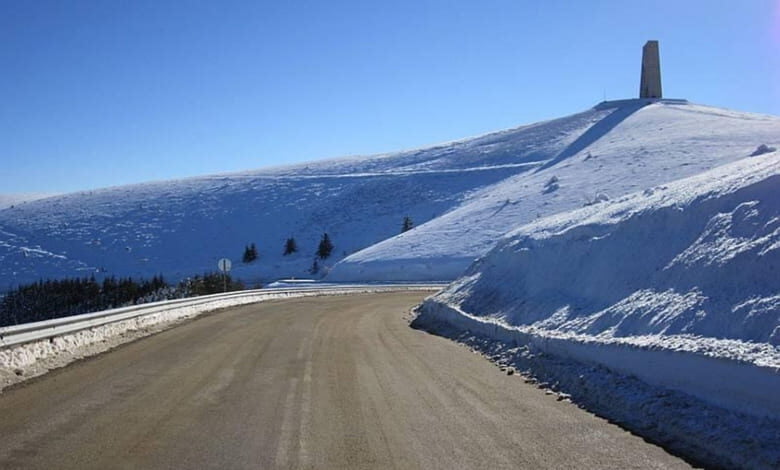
x,y
463,196
627,146
626,256
183,227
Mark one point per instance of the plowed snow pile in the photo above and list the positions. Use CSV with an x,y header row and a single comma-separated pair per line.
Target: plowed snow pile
x,y
675,285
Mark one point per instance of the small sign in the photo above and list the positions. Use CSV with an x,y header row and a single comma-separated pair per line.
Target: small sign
x,y
224,265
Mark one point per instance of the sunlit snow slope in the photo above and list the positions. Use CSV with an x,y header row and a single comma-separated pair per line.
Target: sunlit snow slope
x,y
628,147
180,228
8,200
698,256
469,192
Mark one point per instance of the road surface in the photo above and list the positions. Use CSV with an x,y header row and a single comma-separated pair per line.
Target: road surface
x,y
328,382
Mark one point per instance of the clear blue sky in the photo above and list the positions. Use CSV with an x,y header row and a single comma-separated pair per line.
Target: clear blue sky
x,y
102,93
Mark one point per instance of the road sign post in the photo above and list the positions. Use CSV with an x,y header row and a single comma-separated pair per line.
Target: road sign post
x,y
224,265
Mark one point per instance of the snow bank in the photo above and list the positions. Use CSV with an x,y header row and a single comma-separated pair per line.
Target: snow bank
x,y
707,435
676,285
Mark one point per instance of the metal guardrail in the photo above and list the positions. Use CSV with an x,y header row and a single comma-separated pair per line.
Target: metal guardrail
x,y
37,331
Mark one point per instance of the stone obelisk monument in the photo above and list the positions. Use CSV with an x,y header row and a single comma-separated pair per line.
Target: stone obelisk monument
x,y
650,85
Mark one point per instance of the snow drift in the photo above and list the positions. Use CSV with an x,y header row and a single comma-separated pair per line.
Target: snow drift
x,y
677,285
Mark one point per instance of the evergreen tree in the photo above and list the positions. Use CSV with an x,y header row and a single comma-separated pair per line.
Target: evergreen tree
x,y
325,248
407,225
315,267
290,246
209,283
49,299
250,253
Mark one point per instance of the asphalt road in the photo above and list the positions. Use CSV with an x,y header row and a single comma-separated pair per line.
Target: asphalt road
x,y
328,382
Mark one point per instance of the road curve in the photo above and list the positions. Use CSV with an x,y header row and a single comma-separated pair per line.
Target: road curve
x,y
326,382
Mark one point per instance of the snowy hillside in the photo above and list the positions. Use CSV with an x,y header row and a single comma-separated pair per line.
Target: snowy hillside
x,y
469,192
8,200
628,147
180,228
689,267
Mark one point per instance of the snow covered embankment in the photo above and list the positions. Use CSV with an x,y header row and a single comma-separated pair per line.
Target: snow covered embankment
x,y
677,285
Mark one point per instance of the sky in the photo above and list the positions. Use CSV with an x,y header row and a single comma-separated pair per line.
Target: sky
x,y
105,93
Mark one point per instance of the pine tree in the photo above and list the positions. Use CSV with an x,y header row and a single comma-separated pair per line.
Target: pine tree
x,y
315,267
44,300
290,246
407,225
325,248
250,253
